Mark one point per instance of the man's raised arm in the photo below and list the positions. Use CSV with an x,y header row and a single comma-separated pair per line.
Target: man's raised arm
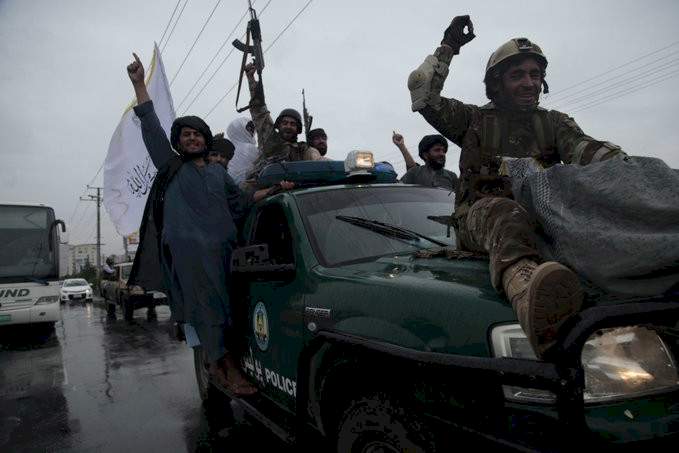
x,y
260,114
136,72
398,140
449,116
152,132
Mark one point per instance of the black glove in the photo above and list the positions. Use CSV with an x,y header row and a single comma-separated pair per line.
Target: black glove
x,y
455,37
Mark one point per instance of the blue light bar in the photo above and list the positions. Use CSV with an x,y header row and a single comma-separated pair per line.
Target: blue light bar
x,y
309,173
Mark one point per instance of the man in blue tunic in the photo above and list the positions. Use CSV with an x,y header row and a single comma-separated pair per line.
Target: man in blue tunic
x,y
189,227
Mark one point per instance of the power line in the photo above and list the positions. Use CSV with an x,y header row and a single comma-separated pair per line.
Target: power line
x,y
288,26
85,219
195,98
207,21
221,99
226,41
624,93
588,96
648,68
181,11
617,67
96,174
161,39
98,200
75,209
79,223
169,22
265,51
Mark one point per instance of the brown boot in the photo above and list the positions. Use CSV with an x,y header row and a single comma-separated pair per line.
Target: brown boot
x,y
543,296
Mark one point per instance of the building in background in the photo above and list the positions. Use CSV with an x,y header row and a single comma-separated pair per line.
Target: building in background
x,y
64,259
81,254
124,258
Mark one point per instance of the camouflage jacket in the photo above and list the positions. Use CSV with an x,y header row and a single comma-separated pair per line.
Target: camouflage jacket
x,y
488,133
274,148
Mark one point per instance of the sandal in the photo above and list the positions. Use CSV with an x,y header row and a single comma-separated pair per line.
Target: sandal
x,y
242,389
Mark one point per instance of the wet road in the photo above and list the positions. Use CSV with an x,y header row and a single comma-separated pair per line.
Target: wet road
x,y
95,384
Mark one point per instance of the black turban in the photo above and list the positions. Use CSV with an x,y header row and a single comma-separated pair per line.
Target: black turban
x,y
194,123
430,140
224,147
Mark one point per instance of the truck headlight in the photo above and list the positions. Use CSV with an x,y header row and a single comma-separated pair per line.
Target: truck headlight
x,y
618,363
44,300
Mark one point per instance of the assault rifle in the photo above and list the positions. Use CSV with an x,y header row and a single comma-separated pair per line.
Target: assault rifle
x,y
308,119
254,32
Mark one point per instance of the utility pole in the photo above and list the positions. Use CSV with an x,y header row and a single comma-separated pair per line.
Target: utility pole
x,y
125,247
98,199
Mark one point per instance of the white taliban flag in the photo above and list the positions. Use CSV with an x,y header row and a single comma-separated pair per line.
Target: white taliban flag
x,y
128,169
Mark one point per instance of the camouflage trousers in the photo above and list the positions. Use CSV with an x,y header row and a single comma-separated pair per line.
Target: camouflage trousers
x,y
502,228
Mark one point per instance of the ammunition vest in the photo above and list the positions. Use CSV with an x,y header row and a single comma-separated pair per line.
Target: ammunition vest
x,y
494,134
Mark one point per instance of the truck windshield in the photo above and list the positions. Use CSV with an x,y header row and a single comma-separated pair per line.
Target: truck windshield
x,y
25,243
336,241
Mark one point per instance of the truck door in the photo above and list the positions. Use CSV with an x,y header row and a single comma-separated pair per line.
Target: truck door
x,y
275,308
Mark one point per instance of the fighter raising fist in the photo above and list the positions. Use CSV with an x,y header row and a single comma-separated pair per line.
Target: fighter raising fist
x,y
135,71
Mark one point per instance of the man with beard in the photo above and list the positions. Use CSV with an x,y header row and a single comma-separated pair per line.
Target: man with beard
x,y
544,296
319,140
432,150
188,232
277,139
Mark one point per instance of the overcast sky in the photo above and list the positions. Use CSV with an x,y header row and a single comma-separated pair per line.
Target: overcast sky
x,y
64,84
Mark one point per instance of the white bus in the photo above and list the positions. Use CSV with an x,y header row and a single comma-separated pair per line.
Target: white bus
x,y
29,264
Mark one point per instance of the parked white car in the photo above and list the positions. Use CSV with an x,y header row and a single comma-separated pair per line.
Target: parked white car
x,y
76,289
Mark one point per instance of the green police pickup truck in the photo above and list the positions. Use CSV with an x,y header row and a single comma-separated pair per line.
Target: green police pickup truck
x,y
367,330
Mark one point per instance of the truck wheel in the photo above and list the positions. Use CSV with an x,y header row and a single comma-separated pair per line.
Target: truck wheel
x,y
378,423
128,308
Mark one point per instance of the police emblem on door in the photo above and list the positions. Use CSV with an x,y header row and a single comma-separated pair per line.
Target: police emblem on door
x,y
260,324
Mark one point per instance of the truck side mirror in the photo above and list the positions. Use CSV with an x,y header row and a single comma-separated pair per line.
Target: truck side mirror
x,y
254,261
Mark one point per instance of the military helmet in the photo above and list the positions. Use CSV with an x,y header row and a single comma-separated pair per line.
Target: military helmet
x,y
513,48
292,113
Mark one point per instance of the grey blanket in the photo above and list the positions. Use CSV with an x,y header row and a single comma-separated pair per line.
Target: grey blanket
x,y
616,223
